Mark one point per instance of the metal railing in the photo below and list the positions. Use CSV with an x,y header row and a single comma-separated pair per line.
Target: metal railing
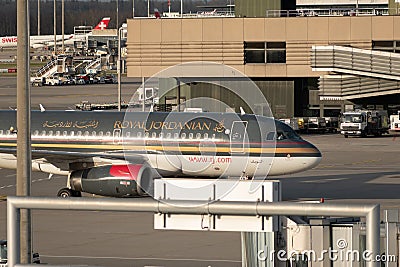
x,y
47,68
313,12
15,204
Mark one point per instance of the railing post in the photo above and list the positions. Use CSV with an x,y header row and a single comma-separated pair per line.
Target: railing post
x,y
13,234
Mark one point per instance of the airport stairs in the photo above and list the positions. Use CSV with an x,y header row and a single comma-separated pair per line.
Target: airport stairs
x,y
57,65
93,66
355,72
47,70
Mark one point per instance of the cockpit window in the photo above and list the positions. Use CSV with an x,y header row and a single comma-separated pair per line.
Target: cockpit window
x,y
284,131
280,135
270,136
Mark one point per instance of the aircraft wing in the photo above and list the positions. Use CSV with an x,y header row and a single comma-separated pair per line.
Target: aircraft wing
x,y
51,155
48,42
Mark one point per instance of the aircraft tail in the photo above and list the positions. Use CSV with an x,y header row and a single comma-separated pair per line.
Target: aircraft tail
x,y
103,24
157,13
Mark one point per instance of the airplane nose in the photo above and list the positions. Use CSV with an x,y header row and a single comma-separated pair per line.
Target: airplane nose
x,y
315,157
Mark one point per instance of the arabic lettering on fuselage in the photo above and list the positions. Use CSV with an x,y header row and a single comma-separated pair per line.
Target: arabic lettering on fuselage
x,y
71,124
170,125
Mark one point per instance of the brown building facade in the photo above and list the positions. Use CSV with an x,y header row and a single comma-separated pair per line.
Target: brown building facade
x,y
274,52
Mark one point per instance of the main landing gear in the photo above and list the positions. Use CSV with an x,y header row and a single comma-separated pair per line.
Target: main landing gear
x,y
67,192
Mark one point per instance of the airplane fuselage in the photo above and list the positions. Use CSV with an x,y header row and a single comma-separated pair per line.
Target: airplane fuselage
x,y
193,144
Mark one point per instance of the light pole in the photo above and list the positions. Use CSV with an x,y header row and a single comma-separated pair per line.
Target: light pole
x,y
133,8
117,14
62,25
357,8
38,17
55,29
119,68
23,128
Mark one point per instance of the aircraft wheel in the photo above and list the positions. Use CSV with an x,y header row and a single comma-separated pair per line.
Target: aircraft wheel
x,y
65,193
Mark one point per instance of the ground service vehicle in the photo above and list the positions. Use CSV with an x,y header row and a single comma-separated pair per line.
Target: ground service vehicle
x,y
53,81
332,124
3,254
315,124
311,125
364,122
395,123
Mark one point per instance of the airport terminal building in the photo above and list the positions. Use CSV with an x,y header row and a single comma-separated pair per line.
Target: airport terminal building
x,y
304,65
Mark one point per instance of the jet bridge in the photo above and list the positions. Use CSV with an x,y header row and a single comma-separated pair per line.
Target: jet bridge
x,y
349,87
360,72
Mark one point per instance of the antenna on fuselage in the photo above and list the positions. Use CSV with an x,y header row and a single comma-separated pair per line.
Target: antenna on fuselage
x,y
242,112
42,109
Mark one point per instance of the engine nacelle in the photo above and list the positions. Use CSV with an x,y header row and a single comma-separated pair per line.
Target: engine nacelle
x,y
114,180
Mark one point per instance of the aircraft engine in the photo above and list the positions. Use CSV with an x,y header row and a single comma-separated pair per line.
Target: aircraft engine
x,y
114,180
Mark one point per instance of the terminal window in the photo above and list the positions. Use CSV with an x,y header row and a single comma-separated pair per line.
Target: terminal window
x,y
387,46
264,52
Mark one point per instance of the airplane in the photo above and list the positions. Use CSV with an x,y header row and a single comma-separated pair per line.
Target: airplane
x,y
208,13
119,154
38,41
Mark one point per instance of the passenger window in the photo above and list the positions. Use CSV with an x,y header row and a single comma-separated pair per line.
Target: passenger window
x,y
146,135
183,135
176,135
168,136
154,135
94,133
190,135
86,133
198,135
161,135
8,132
34,133
139,134
65,133
43,133
1,132
72,133
108,133
128,134
206,136
79,133
101,133
58,133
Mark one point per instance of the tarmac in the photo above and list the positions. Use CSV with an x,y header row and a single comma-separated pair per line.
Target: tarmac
x,y
353,170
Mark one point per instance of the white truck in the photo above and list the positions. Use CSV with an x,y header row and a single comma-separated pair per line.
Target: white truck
x,y
52,80
364,122
395,123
